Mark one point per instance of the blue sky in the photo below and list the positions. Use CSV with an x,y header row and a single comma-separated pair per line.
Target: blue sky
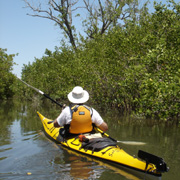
x,y
26,35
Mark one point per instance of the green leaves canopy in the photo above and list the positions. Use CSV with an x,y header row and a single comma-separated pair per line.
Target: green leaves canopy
x,y
134,68
7,78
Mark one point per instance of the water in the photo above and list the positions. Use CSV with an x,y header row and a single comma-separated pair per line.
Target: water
x,y
25,153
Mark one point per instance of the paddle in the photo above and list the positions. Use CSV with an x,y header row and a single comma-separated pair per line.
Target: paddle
x,y
150,158
45,95
39,91
123,142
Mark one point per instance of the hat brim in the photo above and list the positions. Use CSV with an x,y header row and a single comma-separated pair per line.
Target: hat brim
x,y
84,99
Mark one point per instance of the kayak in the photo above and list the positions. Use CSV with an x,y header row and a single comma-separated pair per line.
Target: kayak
x,y
104,148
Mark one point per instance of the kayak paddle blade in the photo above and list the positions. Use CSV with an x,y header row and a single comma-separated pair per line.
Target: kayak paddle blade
x,y
157,161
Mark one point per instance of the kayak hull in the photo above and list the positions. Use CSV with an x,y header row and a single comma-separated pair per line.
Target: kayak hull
x,y
111,154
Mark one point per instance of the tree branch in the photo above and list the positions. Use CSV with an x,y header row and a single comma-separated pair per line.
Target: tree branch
x,y
101,14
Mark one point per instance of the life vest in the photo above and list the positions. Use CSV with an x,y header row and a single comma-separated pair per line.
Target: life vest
x,y
81,119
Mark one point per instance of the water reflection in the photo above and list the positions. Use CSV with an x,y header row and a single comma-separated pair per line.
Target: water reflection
x,y
86,167
80,169
80,166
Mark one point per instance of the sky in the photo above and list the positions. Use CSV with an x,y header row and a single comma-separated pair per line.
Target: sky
x,y
26,35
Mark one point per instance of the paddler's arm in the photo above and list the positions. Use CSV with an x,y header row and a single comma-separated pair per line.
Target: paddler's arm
x,y
98,121
103,127
61,116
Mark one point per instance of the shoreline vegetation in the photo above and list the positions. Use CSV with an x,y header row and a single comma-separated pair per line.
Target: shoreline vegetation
x,y
134,68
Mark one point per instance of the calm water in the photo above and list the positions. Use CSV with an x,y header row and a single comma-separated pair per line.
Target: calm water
x,y
25,153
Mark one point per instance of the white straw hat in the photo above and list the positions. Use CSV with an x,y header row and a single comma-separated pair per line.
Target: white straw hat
x,y
78,95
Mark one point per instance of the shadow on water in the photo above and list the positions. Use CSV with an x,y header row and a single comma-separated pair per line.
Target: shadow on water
x,y
25,153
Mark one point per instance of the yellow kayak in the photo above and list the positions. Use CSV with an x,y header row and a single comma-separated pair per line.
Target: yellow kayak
x,y
101,148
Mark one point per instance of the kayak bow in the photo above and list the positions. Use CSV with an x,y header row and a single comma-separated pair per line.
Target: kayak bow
x,y
146,163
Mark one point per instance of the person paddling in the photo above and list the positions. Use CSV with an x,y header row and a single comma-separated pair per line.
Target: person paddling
x,y
79,117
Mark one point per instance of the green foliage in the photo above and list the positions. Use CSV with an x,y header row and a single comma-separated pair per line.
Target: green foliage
x,y
160,89
133,68
7,78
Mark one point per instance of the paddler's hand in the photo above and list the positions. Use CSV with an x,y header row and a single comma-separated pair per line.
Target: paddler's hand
x,y
63,107
54,122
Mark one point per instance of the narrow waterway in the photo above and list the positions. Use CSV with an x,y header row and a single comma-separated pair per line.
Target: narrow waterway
x,y
25,153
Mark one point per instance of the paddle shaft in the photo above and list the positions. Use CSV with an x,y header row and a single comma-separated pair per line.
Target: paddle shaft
x,y
39,91
123,142
103,133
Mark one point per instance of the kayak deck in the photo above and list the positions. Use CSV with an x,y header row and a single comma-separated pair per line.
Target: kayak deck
x,y
113,154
